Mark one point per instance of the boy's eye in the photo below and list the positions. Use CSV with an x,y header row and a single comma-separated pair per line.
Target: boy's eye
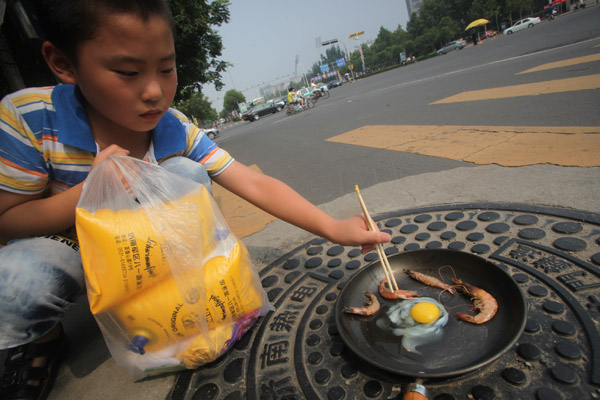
x,y
168,70
126,73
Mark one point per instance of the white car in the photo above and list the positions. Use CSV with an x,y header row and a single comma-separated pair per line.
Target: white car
x,y
522,24
304,92
211,132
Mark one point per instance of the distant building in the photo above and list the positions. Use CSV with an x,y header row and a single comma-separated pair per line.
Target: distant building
x,y
413,6
270,89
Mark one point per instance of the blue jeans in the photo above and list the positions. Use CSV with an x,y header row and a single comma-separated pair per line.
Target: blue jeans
x,y
40,277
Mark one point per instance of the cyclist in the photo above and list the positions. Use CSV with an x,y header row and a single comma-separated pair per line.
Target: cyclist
x,y
315,90
293,98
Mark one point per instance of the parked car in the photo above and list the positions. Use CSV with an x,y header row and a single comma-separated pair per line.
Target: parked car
x,y
522,24
279,103
333,83
453,45
304,92
211,132
259,110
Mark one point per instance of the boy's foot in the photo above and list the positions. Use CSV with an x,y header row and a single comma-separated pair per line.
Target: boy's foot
x,y
30,369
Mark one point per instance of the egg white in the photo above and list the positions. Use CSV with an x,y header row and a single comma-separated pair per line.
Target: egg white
x,y
399,322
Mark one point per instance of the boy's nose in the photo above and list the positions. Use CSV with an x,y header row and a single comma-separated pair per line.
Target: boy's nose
x,y
152,91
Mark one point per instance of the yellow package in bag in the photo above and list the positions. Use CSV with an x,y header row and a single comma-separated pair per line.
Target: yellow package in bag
x,y
173,310
126,240
168,283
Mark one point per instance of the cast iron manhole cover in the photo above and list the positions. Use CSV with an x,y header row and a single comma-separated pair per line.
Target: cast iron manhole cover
x,y
296,352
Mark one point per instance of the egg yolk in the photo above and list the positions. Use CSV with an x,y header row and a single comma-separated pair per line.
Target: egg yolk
x,y
424,312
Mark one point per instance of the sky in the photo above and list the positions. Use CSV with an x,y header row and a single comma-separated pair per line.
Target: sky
x,y
263,37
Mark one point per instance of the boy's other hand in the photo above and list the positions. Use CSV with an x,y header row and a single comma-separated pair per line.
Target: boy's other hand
x,y
107,152
354,231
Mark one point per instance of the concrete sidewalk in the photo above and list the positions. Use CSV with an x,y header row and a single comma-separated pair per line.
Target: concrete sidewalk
x,y
90,373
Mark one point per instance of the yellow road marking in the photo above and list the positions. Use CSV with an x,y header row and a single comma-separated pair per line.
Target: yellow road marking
x,y
528,89
563,63
503,145
242,217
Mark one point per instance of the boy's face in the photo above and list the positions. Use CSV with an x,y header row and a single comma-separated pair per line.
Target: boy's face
x,y
127,72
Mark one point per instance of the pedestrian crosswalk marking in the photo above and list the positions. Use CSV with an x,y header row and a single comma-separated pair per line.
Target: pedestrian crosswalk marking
x,y
564,63
509,146
589,82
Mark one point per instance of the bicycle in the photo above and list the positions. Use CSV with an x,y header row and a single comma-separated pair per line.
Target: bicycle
x,y
321,94
296,107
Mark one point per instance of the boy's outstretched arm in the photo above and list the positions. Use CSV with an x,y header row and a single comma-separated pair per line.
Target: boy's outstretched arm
x,y
280,200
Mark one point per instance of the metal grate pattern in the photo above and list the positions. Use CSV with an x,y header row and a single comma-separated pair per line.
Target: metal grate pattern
x,y
295,352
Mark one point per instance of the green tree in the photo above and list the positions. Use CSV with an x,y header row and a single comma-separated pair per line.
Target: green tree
x,y
196,106
488,9
414,26
514,7
458,10
231,100
333,53
197,44
448,30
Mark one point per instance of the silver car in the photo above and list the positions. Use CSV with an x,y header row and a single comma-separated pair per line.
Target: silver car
x,y
453,45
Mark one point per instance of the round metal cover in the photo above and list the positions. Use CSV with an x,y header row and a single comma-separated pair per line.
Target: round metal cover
x,y
464,347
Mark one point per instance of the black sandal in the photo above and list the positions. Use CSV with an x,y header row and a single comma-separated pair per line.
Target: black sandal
x,y
18,370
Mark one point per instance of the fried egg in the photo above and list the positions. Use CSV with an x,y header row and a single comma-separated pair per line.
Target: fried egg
x,y
418,320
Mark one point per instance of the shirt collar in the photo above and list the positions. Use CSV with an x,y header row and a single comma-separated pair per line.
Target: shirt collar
x,y
168,137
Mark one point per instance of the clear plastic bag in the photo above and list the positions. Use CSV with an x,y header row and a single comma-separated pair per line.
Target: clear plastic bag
x,y
168,283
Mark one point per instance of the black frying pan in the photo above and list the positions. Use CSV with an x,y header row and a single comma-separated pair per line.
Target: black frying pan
x,y
464,346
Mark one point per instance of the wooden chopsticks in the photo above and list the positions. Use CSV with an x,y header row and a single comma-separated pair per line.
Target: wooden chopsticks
x,y
387,269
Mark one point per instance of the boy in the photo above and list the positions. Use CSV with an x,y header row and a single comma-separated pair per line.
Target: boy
x,y
116,60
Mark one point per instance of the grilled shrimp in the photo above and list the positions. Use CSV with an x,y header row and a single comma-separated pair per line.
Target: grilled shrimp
x,y
386,293
429,280
371,306
482,302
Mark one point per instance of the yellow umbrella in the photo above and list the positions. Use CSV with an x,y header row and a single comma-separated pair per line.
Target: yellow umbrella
x,y
478,22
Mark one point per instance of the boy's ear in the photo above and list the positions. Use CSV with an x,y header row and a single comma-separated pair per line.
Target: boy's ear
x,y
59,63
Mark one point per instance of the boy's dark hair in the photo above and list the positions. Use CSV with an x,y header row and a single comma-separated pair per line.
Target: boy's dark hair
x,y
68,23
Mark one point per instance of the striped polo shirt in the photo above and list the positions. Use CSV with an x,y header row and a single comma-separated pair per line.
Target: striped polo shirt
x,y
46,142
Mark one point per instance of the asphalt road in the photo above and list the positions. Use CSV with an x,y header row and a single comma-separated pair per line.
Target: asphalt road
x,y
295,149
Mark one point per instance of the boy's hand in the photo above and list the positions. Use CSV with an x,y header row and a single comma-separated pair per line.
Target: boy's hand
x,y
354,231
107,152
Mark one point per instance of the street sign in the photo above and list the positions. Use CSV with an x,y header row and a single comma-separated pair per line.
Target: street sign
x,y
353,35
324,68
340,62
